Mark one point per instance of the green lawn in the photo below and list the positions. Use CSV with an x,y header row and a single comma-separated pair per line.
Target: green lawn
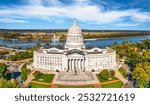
x,y
24,72
34,85
48,78
104,80
88,86
118,84
123,72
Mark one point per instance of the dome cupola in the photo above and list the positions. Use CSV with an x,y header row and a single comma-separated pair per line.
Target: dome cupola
x,y
74,38
74,29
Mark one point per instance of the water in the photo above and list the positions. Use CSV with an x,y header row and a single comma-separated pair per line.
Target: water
x,y
94,43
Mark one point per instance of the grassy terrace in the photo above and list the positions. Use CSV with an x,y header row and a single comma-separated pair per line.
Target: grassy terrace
x,y
123,72
47,78
34,85
24,72
118,84
69,86
104,80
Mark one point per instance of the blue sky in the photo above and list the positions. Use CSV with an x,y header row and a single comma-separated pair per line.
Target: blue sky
x,y
90,14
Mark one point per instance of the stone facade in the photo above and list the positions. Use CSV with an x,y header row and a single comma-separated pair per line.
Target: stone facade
x,y
74,57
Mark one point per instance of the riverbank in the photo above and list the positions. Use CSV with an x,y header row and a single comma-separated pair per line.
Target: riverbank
x,y
86,36
103,42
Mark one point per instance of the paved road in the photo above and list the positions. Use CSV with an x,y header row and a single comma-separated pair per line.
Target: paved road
x,y
15,68
19,61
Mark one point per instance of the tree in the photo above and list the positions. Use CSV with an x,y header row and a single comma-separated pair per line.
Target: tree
x,y
146,55
105,74
115,43
141,76
47,44
146,67
2,82
3,69
38,44
8,84
134,58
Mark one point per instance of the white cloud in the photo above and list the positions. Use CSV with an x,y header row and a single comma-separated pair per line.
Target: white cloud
x,y
81,10
143,17
11,20
126,24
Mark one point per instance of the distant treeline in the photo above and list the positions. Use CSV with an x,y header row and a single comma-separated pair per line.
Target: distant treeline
x,y
88,35
65,30
61,33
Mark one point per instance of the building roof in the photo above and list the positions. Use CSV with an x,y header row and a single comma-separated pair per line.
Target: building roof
x,y
74,29
54,46
75,51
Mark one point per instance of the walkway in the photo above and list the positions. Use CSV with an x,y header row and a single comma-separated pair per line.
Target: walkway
x,y
19,61
120,77
42,83
109,82
29,79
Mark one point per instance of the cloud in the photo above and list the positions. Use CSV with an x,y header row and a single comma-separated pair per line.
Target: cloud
x,y
126,24
11,20
80,9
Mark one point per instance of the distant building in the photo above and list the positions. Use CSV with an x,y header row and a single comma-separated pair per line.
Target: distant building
x,y
74,57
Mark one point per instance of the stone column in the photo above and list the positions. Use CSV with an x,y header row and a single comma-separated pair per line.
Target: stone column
x,y
80,64
67,65
77,64
73,64
84,64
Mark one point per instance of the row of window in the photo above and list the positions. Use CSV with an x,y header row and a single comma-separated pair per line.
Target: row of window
x,y
48,67
100,57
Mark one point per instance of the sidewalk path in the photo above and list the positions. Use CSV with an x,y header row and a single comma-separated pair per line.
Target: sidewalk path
x,y
42,83
109,82
120,76
29,79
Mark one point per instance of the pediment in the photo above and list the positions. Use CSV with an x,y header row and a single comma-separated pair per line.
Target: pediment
x,y
75,55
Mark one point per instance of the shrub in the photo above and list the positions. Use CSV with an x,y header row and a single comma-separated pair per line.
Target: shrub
x,y
24,72
105,74
38,75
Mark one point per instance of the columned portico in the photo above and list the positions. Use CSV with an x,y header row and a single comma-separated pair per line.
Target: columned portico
x,y
76,65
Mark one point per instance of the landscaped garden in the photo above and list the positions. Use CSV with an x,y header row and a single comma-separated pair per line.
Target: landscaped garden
x,y
118,84
106,76
24,72
35,85
123,72
40,77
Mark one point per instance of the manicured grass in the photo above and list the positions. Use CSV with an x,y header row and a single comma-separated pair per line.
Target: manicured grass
x,y
88,86
48,78
104,80
24,72
118,84
34,85
123,72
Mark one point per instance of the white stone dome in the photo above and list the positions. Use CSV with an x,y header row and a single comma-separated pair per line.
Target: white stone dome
x,y
74,29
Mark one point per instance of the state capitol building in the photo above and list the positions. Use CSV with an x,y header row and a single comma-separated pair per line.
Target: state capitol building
x,y
74,57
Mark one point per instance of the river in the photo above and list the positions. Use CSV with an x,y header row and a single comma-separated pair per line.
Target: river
x,y
95,43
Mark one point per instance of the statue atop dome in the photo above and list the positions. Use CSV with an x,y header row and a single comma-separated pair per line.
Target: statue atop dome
x,y
74,21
